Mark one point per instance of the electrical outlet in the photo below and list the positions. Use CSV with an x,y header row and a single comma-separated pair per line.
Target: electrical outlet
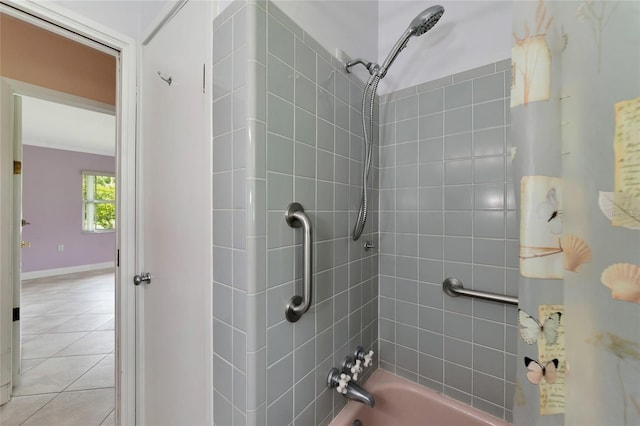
x,y
60,247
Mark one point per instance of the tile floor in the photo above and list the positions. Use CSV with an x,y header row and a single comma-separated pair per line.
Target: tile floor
x,y
67,352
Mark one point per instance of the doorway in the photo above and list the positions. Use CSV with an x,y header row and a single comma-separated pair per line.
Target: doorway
x,y
67,301
123,50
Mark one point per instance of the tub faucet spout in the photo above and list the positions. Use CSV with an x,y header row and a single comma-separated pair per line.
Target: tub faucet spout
x,y
348,388
356,393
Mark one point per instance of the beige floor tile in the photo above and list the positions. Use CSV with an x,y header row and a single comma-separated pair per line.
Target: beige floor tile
x,y
100,376
28,364
35,309
70,308
108,325
102,308
42,324
87,322
55,316
54,374
81,408
46,345
110,420
96,342
20,408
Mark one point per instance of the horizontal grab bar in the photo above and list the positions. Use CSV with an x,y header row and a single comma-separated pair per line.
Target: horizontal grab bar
x,y
298,305
454,288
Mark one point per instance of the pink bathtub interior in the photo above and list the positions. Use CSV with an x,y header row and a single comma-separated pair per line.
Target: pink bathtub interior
x,y
400,402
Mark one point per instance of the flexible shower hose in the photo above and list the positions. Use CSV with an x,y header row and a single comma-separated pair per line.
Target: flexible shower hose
x,y
361,219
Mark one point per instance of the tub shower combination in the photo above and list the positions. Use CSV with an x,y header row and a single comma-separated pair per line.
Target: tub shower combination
x,y
388,399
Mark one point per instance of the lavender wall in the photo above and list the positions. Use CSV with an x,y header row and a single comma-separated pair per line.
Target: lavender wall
x,y
52,203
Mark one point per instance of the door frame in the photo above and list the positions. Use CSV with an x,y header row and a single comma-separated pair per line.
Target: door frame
x,y
81,29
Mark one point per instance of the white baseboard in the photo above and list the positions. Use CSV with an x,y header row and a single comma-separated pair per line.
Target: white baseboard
x,y
64,271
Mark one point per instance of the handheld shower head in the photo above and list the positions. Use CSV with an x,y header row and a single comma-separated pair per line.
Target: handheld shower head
x,y
420,25
426,20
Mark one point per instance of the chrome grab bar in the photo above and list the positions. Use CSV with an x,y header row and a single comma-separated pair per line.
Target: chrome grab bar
x,y
454,288
298,305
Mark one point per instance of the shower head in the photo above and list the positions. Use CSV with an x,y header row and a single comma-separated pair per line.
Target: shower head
x,y
420,25
426,20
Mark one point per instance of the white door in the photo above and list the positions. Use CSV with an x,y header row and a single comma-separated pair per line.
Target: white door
x,y
175,384
12,244
7,248
18,244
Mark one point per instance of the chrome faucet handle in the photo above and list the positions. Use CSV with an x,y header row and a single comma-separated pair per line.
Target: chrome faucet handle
x,y
342,383
351,366
366,358
338,380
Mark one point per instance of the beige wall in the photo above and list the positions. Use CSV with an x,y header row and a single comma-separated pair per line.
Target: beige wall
x,y
40,57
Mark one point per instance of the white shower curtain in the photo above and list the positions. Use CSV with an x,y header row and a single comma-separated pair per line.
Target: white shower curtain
x,y
575,112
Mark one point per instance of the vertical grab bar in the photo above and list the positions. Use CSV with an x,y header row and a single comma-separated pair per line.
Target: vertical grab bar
x,y
298,305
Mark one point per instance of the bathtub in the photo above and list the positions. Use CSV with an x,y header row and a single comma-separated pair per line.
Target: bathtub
x,y
400,402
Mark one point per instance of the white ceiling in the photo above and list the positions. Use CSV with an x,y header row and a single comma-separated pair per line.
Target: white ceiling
x,y
59,126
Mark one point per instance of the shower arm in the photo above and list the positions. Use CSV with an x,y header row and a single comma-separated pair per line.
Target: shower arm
x,y
372,67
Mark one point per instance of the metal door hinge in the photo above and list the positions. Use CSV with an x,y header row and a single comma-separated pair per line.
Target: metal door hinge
x,y
17,167
118,258
16,314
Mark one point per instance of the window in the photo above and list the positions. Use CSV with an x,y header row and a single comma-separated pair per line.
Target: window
x,y
98,202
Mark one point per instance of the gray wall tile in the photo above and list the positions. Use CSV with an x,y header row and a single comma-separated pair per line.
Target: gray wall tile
x,y
305,130
280,78
489,196
488,169
407,130
280,118
280,153
458,172
458,377
489,141
462,221
305,61
431,150
488,361
431,102
490,114
458,197
407,108
458,224
324,171
280,41
458,351
457,146
305,93
488,88
458,95
488,224
457,121
431,126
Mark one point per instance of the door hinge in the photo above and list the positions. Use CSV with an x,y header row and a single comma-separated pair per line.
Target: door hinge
x,y
16,314
204,78
17,167
118,258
